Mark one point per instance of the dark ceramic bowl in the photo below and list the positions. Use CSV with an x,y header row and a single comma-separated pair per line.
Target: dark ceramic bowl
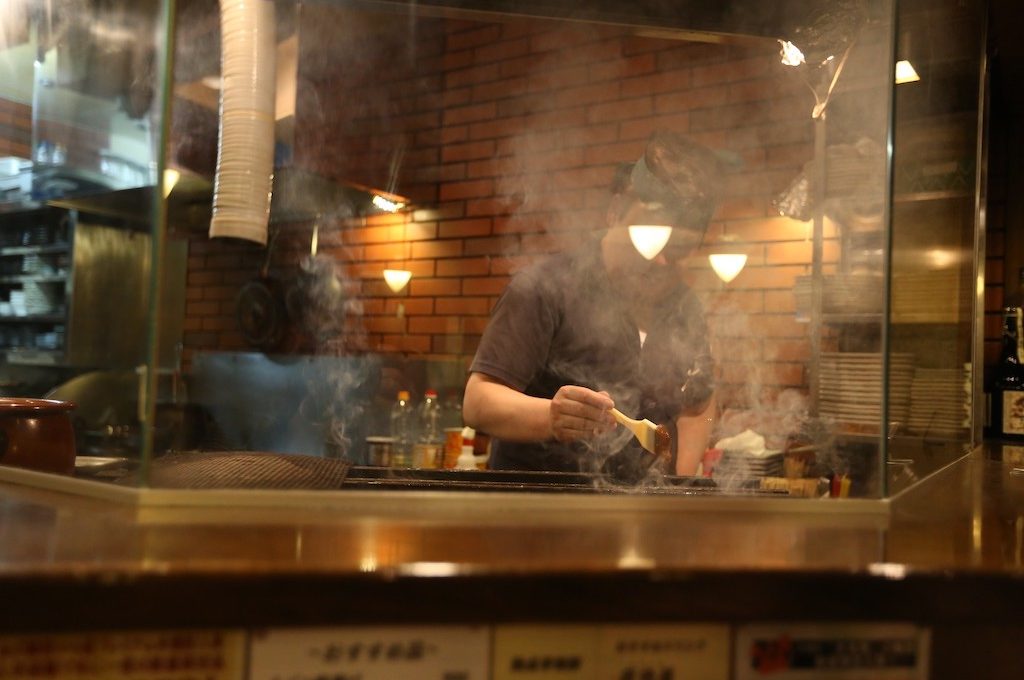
x,y
37,434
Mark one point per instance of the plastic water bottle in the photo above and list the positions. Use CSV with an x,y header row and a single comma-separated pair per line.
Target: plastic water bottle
x,y
401,430
429,449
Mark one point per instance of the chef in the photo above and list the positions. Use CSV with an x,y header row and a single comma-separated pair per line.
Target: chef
x,y
581,332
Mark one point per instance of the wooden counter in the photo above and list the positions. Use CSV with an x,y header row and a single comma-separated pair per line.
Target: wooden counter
x,y
948,555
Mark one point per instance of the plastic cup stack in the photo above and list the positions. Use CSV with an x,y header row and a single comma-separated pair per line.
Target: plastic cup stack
x,y
245,149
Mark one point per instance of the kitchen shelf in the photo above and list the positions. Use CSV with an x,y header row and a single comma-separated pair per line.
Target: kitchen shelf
x,y
34,278
34,318
941,195
35,250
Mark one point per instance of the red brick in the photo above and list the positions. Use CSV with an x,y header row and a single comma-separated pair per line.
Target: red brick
x,y
593,93
613,153
626,109
462,305
500,89
434,324
499,127
452,134
782,301
484,35
476,266
546,81
469,114
435,249
492,246
422,305
622,68
384,324
472,189
489,206
474,325
472,76
799,252
656,83
787,350
407,343
643,127
490,285
690,100
420,231
219,323
502,51
204,308
434,287
462,228
387,251
730,71
202,278
469,151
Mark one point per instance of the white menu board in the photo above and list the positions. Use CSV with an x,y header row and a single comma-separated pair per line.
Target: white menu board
x,y
850,651
664,652
370,653
611,652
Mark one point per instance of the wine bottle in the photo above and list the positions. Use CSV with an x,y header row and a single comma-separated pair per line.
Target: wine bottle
x,y
1008,380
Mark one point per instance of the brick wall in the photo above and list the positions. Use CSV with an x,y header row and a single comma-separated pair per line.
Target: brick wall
x,y
15,129
509,135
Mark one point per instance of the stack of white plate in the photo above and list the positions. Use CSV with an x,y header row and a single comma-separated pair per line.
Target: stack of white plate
x,y
745,465
850,387
938,402
245,151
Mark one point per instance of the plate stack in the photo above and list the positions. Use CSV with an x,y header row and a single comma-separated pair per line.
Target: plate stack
x,y
245,149
850,388
938,402
746,465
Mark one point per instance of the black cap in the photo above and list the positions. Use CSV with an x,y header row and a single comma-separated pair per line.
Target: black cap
x,y
681,175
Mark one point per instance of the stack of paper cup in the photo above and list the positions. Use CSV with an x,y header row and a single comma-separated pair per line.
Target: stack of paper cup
x,y
245,150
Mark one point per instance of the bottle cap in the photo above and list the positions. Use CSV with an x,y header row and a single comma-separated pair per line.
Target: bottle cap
x,y
466,459
404,395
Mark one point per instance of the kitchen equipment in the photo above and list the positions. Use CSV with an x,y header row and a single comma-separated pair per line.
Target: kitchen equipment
x,y
37,434
260,307
654,438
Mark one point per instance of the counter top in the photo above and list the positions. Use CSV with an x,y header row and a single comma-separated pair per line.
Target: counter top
x,y
950,549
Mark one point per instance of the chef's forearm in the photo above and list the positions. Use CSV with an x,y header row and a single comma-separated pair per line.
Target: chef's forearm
x,y
693,436
500,411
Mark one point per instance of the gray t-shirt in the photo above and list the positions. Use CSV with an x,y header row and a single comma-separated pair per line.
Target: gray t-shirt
x,y
562,321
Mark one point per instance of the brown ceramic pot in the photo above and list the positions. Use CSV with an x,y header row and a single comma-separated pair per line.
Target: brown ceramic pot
x,y
37,434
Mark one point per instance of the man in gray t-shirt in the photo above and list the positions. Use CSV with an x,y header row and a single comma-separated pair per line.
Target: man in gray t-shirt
x,y
579,333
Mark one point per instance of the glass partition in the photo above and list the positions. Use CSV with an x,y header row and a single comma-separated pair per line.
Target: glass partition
x,y
426,155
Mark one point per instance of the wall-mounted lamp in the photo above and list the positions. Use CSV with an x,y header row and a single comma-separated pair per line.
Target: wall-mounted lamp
x,y
171,177
905,72
386,204
728,260
790,54
649,239
397,278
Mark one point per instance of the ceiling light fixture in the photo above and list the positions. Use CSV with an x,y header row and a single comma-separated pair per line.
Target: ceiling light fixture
x,y
649,239
385,204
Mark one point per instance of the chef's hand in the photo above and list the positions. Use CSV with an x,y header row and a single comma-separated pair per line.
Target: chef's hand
x,y
580,413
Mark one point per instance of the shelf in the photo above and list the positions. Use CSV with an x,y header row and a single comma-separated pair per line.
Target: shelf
x,y
35,278
35,357
34,318
35,250
941,195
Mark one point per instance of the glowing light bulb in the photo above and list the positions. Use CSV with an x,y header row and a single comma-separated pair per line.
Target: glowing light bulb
x,y
385,204
649,239
171,177
791,54
397,278
905,72
727,265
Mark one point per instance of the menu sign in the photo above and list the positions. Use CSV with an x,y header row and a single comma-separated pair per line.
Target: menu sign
x,y
848,651
370,653
611,652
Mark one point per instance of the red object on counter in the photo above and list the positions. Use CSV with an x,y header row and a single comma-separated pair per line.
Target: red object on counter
x,y
710,460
